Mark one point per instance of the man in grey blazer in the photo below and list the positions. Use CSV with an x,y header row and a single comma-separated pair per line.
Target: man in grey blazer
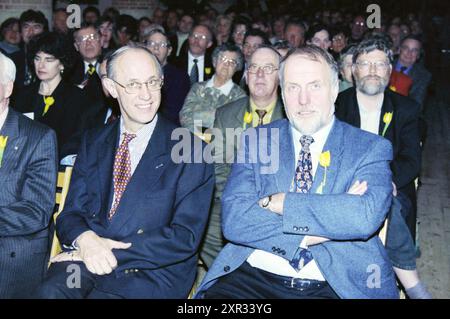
x,y
28,168
239,115
306,228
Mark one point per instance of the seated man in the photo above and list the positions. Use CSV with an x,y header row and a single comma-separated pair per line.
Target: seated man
x,y
307,227
134,214
28,168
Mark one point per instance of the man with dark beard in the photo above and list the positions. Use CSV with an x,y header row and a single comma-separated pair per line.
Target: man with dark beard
x,y
376,109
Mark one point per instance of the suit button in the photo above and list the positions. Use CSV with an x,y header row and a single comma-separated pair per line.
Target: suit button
x,y
140,231
283,252
306,229
127,271
13,254
301,229
136,270
295,228
226,268
274,249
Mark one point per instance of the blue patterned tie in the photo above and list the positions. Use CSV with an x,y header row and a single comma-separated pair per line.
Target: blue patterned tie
x,y
303,181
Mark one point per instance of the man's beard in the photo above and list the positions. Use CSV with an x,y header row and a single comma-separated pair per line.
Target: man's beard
x,y
372,88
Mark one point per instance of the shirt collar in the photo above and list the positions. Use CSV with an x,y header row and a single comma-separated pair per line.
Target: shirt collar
x,y
144,133
191,57
320,137
398,67
225,89
86,66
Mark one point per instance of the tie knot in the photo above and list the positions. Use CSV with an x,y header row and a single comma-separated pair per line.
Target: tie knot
x,y
306,141
403,69
127,137
261,114
195,61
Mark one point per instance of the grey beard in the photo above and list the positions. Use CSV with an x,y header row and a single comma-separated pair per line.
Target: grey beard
x,y
370,89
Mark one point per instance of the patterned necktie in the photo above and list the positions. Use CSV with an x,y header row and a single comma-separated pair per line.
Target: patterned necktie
x,y
122,171
303,182
194,72
303,172
403,69
261,114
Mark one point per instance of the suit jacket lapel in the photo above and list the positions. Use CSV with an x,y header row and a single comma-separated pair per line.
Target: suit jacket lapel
x,y
105,163
354,118
333,144
15,143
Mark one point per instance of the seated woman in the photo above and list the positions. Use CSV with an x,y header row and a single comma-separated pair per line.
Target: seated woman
x,y
199,109
320,36
50,99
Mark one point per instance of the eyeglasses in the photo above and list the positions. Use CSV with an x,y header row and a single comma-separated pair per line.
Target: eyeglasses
x,y
267,69
88,37
157,45
199,36
135,87
251,46
227,61
407,49
365,65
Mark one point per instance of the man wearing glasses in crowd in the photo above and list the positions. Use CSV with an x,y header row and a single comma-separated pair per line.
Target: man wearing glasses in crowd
x,y
196,60
134,216
261,107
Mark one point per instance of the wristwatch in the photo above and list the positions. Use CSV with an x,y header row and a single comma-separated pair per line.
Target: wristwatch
x,y
266,201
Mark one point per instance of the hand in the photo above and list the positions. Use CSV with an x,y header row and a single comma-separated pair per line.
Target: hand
x,y
276,204
394,190
358,188
66,256
315,240
96,252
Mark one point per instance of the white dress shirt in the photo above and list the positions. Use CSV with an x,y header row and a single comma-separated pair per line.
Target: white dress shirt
x,y
370,118
96,64
200,64
273,263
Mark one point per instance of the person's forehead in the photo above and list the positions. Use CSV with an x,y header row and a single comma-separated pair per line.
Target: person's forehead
x,y
201,29
321,34
229,54
373,55
187,19
254,39
411,43
300,68
32,24
135,65
157,37
264,56
294,28
86,31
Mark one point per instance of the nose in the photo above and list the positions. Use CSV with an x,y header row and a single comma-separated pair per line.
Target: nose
x,y
303,97
145,94
372,68
260,73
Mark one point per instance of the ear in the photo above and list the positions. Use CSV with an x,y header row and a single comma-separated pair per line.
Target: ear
x,y
76,47
169,51
8,88
110,87
210,43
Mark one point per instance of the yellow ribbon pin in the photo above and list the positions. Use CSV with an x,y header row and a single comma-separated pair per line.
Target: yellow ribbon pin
x,y
248,118
49,101
3,141
387,119
324,160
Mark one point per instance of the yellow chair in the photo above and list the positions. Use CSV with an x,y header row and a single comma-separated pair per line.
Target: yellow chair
x,y
61,193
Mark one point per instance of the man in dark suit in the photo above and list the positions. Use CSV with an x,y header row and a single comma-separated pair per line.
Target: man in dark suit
x,y
408,63
304,224
28,168
86,72
134,214
263,85
196,60
373,108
